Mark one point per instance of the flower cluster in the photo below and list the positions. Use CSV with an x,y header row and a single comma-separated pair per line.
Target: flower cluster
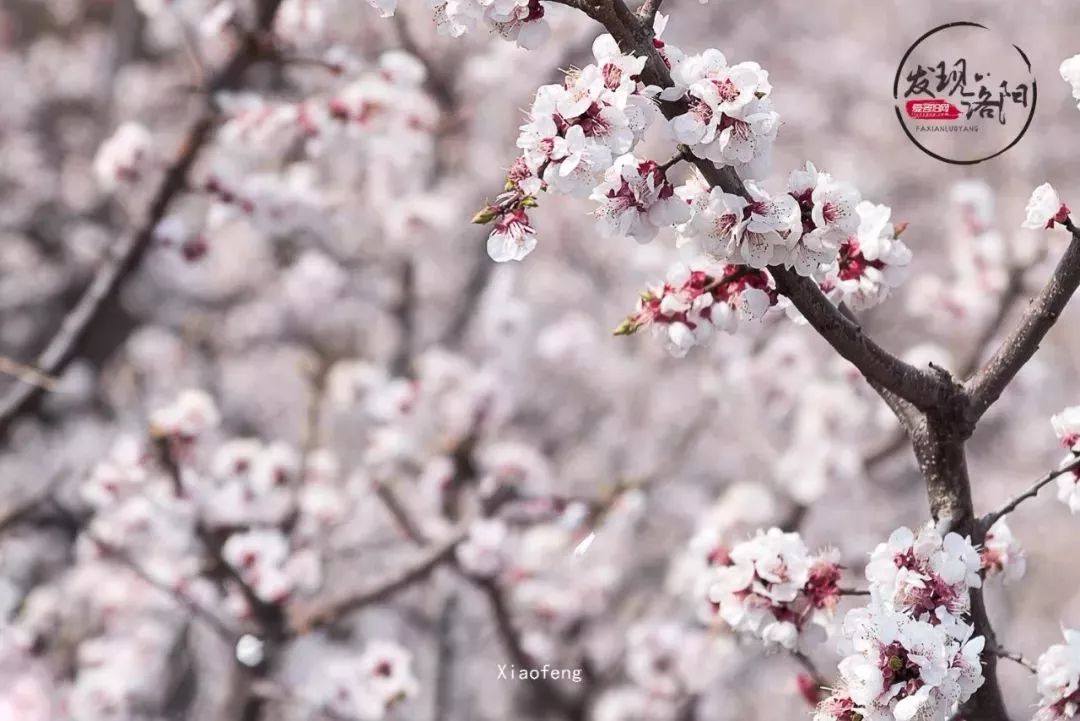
x,y
729,118
1059,680
693,303
368,685
671,660
730,228
901,668
576,141
909,652
828,211
925,574
262,558
382,101
1045,208
871,262
770,586
1067,427
819,227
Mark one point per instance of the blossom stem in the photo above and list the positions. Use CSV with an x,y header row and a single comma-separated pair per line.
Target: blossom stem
x,y
306,617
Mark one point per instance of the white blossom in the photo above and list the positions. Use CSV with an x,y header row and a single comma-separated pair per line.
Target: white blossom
x,y
730,119
637,200
125,157
1059,680
1070,73
1001,553
772,588
871,262
1045,208
191,414
1067,427
484,552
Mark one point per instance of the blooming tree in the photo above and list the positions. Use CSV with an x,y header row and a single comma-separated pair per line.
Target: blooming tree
x,y
289,489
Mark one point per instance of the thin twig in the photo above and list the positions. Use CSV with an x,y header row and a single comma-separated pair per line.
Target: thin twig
x,y
547,690
400,514
405,312
19,510
304,617
28,374
198,611
1014,657
811,669
267,615
680,156
444,660
991,518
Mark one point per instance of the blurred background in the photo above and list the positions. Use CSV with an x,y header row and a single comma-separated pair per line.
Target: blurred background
x,y
369,383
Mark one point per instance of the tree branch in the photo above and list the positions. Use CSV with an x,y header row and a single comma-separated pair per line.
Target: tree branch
x,y
126,255
991,518
882,369
1014,657
648,11
13,513
1020,345
211,619
304,617
547,690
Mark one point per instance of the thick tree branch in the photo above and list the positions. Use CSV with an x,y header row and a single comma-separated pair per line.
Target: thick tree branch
x,y
125,256
1020,345
883,370
938,440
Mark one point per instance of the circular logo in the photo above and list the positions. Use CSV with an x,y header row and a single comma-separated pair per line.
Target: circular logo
x,y
964,94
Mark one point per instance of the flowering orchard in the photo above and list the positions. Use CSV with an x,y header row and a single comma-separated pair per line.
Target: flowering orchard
x,y
286,438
